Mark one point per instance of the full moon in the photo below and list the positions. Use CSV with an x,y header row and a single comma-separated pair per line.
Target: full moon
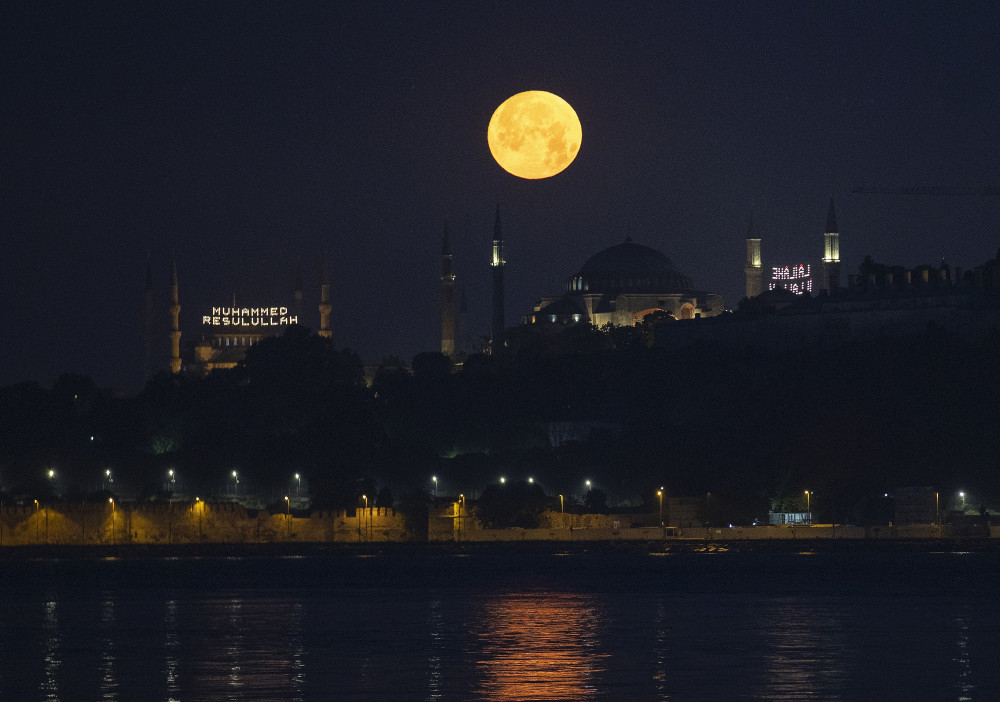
x,y
534,134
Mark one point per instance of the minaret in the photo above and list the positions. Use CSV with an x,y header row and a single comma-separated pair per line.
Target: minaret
x,y
324,304
831,252
447,298
175,323
498,264
753,270
297,293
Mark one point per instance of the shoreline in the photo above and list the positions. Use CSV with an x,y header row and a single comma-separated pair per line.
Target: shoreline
x,y
487,548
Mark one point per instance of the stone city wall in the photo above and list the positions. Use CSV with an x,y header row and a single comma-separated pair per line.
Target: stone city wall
x,y
202,522
179,523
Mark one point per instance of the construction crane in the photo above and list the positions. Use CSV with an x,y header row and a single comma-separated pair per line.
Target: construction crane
x,y
928,190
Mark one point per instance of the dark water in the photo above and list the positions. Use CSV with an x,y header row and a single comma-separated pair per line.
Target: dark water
x,y
519,624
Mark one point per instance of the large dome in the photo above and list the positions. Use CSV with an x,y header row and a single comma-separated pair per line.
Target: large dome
x,y
629,267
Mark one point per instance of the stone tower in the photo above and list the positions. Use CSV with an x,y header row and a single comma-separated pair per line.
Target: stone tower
x,y
447,298
831,252
753,270
324,304
498,263
175,321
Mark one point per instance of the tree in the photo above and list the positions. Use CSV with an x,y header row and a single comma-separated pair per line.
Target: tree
x,y
514,505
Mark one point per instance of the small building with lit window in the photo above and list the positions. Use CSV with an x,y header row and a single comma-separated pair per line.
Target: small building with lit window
x,y
621,285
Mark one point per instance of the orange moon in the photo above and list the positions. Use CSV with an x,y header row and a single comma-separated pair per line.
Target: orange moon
x,y
534,134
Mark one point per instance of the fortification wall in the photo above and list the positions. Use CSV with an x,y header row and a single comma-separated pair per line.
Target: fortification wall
x,y
199,522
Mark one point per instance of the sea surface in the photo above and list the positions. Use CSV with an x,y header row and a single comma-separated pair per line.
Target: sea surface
x,y
532,622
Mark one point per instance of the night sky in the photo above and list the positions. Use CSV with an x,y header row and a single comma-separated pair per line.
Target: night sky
x,y
252,138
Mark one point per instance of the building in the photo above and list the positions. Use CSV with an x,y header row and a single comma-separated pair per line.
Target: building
x,y
224,332
621,285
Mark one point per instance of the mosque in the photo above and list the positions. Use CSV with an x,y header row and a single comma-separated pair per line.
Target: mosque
x,y
620,285
225,332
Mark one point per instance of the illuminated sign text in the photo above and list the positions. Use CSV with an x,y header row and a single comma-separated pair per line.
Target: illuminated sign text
x,y
249,317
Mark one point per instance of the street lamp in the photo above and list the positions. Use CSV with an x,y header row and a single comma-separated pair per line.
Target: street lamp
x,y
112,501
364,516
808,506
502,480
531,481
659,493
36,521
962,495
236,483
288,525
587,483
108,479
435,479
561,510
298,485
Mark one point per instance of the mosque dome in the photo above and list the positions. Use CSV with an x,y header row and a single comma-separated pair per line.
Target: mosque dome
x,y
628,268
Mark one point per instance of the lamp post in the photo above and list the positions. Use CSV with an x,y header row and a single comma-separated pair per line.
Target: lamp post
x,y
503,480
434,478
364,516
112,501
171,480
962,495
809,506
236,484
52,483
659,494
298,485
561,510
937,508
288,525
461,513
36,521
107,479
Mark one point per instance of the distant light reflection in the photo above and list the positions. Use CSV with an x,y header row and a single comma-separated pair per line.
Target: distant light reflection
x,y
540,646
49,686
171,645
109,682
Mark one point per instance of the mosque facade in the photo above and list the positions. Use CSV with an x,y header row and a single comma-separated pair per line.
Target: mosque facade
x,y
620,286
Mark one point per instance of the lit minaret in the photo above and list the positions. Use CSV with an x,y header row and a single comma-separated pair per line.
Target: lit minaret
x,y
324,304
498,264
753,270
831,252
447,298
175,322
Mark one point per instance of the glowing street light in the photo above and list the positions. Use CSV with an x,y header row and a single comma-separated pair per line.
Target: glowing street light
x,y
531,481
587,483
112,501
236,483
659,493
962,495
502,480
107,479
434,478
298,485
561,510
808,505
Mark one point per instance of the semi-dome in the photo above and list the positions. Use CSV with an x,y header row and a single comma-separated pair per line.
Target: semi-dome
x,y
628,267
